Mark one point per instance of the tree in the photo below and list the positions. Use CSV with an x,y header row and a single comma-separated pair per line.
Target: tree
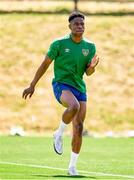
x,y
75,5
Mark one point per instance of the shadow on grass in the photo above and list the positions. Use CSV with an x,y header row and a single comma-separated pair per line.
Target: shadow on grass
x,y
65,176
66,11
80,176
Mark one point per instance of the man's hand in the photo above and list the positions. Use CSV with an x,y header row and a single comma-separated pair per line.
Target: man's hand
x,y
91,67
28,92
94,62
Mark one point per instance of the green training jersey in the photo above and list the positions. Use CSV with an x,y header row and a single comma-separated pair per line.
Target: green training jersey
x,y
70,60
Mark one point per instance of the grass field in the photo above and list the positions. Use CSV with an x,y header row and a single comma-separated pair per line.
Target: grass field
x,y
34,158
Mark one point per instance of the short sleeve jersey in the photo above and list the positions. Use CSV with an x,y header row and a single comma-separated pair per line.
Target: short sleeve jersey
x,y
71,60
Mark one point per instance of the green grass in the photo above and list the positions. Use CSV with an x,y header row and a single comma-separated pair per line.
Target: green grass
x,y
34,158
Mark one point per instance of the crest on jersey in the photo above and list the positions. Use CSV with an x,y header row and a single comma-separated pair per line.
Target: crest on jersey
x,y
85,52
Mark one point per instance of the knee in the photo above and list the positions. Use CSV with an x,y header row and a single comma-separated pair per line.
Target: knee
x,y
79,128
75,107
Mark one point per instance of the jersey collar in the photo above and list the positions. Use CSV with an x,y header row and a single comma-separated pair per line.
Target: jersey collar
x,y
74,41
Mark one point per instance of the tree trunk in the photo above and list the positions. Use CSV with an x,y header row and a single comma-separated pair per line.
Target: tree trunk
x,y
76,5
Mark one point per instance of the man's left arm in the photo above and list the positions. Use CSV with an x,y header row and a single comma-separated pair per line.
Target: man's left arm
x,y
91,67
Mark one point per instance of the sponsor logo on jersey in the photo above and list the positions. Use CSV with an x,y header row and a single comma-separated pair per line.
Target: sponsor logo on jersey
x,y
85,52
67,50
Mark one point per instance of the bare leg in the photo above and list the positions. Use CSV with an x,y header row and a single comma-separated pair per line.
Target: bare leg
x,y
78,128
77,138
75,112
68,100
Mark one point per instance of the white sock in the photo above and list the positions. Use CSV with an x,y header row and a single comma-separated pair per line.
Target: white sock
x,y
73,160
61,128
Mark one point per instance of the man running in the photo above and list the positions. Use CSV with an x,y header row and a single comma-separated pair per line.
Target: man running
x,y
73,55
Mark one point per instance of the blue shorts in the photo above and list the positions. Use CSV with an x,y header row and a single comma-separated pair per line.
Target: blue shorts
x,y
59,87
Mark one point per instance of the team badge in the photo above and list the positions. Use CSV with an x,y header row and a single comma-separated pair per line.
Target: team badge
x,y
85,52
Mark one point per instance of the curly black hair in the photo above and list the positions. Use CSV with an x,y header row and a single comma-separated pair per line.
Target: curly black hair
x,y
75,14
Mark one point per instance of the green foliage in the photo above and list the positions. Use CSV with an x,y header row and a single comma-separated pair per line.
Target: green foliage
x,y
105,7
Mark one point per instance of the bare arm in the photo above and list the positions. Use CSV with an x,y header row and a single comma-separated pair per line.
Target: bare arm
x,y
41,70
89,71
91,67
39,73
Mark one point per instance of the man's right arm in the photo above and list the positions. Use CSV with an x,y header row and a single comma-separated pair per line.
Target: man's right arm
x,y
41,70
39,73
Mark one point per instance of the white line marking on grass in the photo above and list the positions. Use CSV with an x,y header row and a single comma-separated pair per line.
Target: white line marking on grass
x,y
62,169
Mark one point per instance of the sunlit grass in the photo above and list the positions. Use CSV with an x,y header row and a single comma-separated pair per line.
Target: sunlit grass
x,y
34,158
25,40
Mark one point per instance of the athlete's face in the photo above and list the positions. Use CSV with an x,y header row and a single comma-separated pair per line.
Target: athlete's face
x,y
77,26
